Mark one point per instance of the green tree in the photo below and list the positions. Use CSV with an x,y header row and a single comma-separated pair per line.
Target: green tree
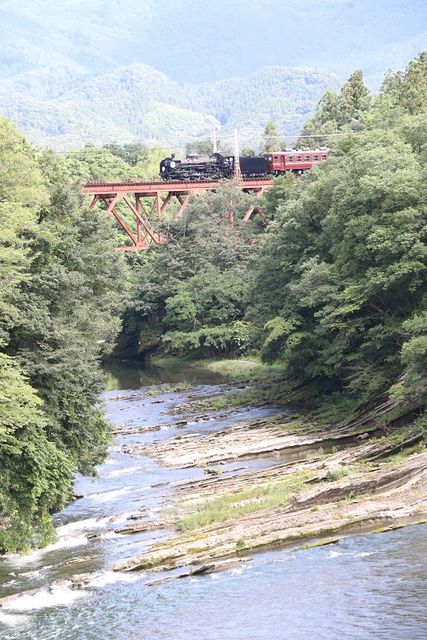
x,y
248,151
93,163
272,141
61,291
412,385
336,112
354,99
70,307
283,189
132,154
413,87
204,147
200,147
328,108
21,180
194,288
35,476
345,270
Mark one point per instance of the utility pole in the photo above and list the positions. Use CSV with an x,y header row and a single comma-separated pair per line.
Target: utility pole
x,y
237,173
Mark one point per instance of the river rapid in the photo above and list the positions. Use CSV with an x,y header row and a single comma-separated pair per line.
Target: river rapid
x,y
368,586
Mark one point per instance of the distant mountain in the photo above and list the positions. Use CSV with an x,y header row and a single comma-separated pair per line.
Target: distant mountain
x,y
84,71
138,103
196,41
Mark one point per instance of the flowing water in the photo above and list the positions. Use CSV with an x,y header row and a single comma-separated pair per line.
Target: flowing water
x,y
370,586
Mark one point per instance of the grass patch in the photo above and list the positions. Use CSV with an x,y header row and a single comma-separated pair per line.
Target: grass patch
x,y
318,454
240,503
224,401
337,474
239,369
157,390
352,496
398,438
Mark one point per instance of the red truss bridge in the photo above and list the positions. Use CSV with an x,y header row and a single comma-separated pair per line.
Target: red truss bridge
x,y
162,194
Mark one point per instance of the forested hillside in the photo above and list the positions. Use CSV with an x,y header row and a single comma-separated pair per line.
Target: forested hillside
x,y
61,293
136,102
153,72
336,290
197,41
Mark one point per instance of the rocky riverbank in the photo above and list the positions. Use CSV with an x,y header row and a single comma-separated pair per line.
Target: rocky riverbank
x,y
318,486
189,490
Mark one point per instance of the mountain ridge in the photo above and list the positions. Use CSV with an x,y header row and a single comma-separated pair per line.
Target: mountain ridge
x,y
138,103
194,41
196,65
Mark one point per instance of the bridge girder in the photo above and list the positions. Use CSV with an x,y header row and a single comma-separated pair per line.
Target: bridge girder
x,y
162,195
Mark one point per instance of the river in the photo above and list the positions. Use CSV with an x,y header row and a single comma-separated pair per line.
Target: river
x,y
368,586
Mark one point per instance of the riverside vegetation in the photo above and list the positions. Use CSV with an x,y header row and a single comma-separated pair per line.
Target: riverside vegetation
x,y
332,298
60,298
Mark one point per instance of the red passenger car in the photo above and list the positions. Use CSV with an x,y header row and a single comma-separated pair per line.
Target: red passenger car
x,y
296,160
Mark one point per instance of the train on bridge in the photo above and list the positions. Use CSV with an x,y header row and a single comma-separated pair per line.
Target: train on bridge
x,y
182,179
218,166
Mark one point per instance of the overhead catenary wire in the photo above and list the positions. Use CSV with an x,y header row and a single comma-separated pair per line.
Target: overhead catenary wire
x,y
154,144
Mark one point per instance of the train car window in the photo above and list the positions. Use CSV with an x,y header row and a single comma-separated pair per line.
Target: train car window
x,y
299,158
290,158
324,157
307,158
316,157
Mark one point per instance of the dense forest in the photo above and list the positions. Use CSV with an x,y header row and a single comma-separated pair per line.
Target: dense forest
x,y
47,49
333,291
138,102
61,294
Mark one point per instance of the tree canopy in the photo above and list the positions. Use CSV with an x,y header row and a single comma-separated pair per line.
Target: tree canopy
x,y
272,140
60,298
340,292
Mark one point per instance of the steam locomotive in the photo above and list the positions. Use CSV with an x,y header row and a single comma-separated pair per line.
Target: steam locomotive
x,y
217,166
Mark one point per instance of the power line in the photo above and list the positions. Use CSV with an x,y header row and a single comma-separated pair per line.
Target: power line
x,y
251,136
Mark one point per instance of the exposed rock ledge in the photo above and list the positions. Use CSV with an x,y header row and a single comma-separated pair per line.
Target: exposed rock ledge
x,y
383,497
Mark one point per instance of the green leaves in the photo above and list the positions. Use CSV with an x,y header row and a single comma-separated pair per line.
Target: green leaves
x,y
197,285
35,476
412,386
272,140
181,311
340,287
234,337
279,331
62,287
21,181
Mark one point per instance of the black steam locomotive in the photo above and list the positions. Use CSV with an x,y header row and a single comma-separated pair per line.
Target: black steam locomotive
x,y
215,166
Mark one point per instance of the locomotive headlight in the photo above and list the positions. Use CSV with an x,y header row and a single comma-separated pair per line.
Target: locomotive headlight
x,y
172,164
163,168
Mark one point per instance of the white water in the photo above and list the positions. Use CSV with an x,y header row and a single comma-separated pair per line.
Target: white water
x,y
365,588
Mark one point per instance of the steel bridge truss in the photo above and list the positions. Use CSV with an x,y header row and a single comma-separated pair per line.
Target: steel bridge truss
x,y
162,195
